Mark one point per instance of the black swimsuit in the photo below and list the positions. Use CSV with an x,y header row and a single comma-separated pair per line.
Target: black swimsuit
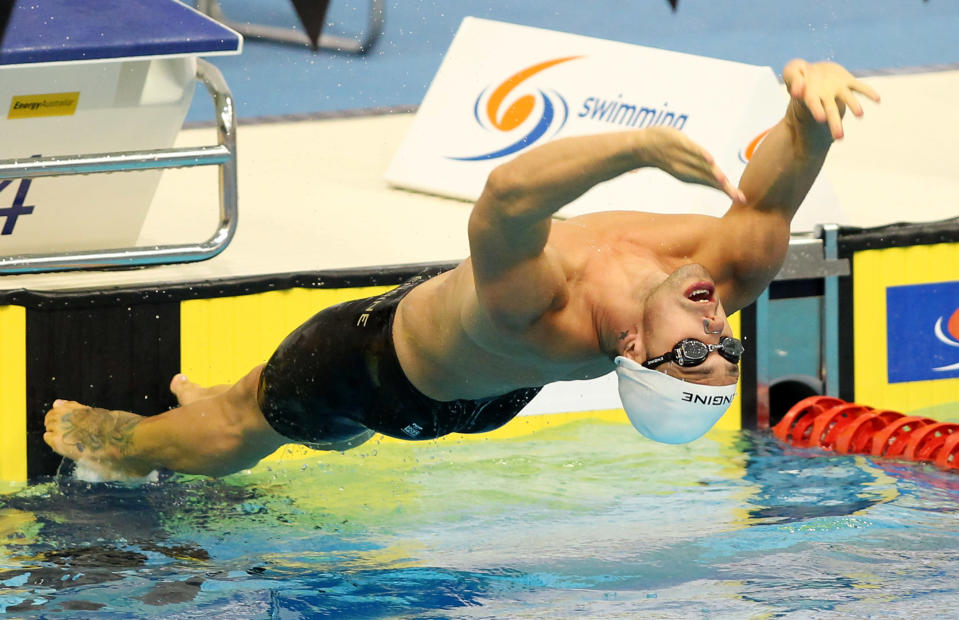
x,y
337,377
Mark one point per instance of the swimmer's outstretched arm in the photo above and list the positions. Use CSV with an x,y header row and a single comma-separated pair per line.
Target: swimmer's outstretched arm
x,y
510,223
755,233
214,433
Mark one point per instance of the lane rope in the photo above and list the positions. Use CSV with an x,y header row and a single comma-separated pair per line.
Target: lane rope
x,y
850,428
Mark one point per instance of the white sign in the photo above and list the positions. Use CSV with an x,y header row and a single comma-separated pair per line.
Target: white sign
x,y
503,89
79,108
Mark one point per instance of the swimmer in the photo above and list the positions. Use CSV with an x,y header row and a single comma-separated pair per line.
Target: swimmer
x,y
537,301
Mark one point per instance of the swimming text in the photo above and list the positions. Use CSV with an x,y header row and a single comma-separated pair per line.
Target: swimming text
x,y
619,112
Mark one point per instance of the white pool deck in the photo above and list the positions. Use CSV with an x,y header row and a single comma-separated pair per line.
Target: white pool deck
x,y
312,194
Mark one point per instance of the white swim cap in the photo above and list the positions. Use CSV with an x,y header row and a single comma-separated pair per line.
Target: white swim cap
x,y
667,409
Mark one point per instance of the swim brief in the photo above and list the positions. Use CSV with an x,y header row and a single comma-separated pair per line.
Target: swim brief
x,y
337,377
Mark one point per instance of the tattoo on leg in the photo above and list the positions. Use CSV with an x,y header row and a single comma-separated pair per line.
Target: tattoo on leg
x,y
93,430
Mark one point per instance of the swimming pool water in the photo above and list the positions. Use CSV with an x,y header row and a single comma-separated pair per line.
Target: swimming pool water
x,y
585,519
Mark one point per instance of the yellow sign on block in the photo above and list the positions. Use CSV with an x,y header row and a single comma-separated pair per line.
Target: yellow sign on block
x,y
50,104
876,271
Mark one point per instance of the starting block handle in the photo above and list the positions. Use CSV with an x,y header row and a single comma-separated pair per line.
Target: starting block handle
x,y
222,155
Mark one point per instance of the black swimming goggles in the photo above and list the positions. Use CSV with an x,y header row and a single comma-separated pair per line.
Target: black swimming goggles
x,y
692,352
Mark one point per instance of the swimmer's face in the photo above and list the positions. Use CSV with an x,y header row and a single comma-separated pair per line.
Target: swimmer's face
x,y
676,310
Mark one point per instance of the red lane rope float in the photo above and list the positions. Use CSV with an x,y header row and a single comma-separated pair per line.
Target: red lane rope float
x,y
926,441
891,441
856,437
828,425
797,421
848,428
949,453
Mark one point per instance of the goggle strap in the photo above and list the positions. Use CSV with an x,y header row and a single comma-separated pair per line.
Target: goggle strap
x,y
656,361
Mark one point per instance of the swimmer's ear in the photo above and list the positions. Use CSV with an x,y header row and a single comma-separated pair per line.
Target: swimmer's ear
x,y
629,344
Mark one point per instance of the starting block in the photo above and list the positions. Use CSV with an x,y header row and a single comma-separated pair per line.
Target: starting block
x,y
311,34
95,88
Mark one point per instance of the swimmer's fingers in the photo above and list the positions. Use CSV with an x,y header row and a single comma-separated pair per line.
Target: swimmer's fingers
x,y
826,89
848,98
833,117
727,187
673,152
865,89
794,74
701,168
833,108
815,105
848,95
797,88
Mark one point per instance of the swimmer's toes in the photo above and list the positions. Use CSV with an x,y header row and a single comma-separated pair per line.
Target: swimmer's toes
x,y
54,439
52,420
187,391
184,389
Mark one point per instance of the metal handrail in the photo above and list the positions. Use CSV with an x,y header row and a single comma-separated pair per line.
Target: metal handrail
x,y
297,37
222,155
806,258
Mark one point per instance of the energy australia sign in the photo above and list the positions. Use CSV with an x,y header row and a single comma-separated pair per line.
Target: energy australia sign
x,y
503,89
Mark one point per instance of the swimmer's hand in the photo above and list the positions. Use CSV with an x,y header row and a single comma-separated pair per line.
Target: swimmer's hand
x,y
673,152
825,90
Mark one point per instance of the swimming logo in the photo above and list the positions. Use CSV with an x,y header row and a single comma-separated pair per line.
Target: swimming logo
x,y
949,337
922,330
493,113
747,154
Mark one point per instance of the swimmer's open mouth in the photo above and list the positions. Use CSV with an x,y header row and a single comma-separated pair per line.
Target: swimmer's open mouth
x,y
701,292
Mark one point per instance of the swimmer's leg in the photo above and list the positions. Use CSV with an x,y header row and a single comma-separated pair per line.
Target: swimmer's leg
x,y
216,435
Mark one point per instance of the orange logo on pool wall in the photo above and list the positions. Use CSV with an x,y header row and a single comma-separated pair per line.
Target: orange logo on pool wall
x,y
747,154
922,331
520,110
949,335
552,116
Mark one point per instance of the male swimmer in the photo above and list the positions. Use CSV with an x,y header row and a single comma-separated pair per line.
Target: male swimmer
x,y
537,301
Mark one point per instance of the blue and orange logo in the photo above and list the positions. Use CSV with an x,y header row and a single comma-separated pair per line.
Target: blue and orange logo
x,y
746,154
493,113
922,329
948,336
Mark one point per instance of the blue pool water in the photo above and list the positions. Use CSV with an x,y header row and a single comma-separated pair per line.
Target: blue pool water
x,y
580,520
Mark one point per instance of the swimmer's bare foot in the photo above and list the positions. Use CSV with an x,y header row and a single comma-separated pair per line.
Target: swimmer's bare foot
x,y
99,438
187,392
